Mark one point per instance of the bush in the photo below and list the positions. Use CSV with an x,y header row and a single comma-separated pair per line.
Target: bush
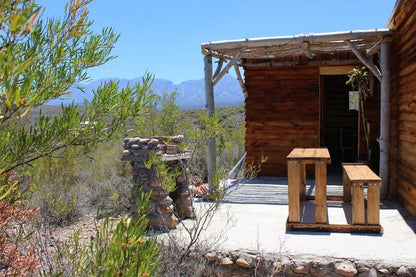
x,y
17,258
122,250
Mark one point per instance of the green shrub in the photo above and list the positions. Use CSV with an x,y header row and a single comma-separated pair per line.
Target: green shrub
x,y
121,250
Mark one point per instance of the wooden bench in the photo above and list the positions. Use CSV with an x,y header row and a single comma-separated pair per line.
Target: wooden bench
x,y
355,178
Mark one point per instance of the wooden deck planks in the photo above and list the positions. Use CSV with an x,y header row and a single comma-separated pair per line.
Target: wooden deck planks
x,y
270,191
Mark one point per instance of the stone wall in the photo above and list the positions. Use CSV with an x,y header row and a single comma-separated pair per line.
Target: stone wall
x,y
166,208
251,264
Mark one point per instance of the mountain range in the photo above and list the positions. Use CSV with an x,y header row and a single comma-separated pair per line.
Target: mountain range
x,y
190,94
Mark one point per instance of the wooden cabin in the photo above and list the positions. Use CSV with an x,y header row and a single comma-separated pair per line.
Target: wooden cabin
x,y
296,96
402,183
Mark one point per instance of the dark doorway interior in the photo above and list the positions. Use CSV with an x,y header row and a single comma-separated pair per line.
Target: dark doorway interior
x,y
339,119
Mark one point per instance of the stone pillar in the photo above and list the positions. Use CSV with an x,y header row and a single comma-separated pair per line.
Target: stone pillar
x,y
163,214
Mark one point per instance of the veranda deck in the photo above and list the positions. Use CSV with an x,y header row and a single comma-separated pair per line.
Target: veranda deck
x,y
272,190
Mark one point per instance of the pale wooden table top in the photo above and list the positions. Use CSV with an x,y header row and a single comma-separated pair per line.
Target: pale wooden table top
x,y
309,153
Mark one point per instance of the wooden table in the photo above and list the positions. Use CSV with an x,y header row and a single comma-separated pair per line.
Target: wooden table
x,y
296,161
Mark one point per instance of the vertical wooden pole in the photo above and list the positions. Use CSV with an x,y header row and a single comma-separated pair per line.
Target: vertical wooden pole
x,y
320,192
302,182
358,209
293,175
346,187
373,204
384,139
210,109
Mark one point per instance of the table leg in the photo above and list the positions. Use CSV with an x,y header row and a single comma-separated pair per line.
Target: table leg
x,y
302,182
293,175
320,192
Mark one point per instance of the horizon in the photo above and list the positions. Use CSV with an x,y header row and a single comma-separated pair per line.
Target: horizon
x,y
164,38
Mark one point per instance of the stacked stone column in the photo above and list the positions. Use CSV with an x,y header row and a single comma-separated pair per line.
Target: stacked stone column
x,y
163,214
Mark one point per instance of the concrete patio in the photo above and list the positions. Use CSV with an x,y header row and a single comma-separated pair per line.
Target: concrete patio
x,y
253,218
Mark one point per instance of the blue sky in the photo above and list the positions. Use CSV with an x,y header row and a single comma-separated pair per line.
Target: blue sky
x,y
164,37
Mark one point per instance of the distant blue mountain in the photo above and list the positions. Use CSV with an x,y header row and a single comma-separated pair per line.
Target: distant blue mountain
x,y
191,94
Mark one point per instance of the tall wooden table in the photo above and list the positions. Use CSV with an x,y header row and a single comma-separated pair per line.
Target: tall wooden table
x,y
296,161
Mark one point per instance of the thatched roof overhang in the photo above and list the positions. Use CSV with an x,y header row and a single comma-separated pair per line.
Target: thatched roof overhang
x,y
310,45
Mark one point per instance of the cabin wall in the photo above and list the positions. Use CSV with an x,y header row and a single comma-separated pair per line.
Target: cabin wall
x,y
403,106
282,112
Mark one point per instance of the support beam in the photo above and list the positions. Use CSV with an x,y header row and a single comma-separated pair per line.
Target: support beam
x,y
240,80
310,62
364,60
228,66
210,109
374,49
384,139
219,67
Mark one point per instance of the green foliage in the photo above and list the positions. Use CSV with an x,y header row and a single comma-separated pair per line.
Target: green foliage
x,y
104,179
125,252
162,117
166,176
54,191
358,79
120,250
39,61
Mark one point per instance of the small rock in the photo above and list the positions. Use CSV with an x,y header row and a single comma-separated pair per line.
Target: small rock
x,y
384,271
362,269
301,269
126,153
135,146
144,140
226,261
211,256
153,141
243,263
402,271
345,269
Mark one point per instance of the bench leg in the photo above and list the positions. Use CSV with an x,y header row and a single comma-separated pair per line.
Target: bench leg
x,y
302,182
373,204
293,175
346,184
358,209
320,193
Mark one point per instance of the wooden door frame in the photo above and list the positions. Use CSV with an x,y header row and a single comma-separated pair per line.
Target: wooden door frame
x,y
323,71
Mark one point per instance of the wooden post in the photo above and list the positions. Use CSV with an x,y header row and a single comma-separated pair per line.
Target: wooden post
x,y
210,108
320,192
373,204
384,139
302,181
346,187
358,209
293,175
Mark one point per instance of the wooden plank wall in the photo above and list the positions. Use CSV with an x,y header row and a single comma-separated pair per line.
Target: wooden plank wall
x,y
403,107
282,112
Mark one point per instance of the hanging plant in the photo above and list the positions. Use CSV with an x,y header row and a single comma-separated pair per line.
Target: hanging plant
x,y
359,79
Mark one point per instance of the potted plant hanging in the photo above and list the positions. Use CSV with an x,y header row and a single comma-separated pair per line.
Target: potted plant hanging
x,y
359,79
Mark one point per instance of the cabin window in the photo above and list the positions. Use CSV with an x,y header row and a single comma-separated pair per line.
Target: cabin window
x,y
353,100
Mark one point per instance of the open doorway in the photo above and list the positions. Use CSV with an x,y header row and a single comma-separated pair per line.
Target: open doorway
x,y
339,121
